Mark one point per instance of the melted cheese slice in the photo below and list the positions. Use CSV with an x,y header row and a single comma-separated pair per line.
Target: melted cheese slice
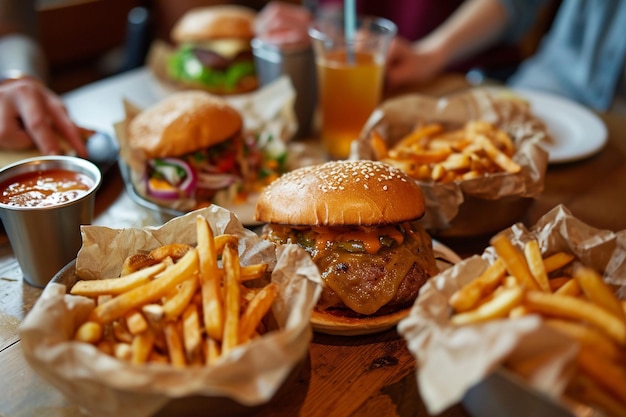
x,y
369,236
228,48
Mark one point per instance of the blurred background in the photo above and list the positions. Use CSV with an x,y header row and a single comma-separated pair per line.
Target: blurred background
x,y
86,40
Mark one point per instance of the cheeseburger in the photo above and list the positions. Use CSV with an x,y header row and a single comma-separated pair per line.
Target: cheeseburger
x,y
213,49
189,150
357,220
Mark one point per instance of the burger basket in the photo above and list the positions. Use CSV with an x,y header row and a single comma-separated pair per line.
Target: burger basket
x,y
482,205
268,110
464,363
104,386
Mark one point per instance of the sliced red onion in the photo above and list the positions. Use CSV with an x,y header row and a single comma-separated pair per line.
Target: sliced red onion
x,y
178,187
162,189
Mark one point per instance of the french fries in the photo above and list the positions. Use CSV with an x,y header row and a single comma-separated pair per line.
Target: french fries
x,y
232,298
256,309
536,266
176,304
598,291
116,285
157,288
469,296
211,294
89,331
432,153
574,308
514,261
571,298
499,306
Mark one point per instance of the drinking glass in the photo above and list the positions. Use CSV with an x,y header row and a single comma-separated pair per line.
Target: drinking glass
x,y
350,75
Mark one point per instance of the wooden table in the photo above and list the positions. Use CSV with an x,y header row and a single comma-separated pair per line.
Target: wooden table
x,y
356,376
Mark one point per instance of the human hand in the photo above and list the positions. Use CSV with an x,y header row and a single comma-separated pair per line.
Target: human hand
x,y
409,63
31,114
283,24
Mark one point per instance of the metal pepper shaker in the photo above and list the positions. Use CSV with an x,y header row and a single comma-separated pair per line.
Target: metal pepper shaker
x,y
297,62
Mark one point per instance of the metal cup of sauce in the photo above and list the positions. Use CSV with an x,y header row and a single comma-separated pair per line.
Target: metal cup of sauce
x,y
43,203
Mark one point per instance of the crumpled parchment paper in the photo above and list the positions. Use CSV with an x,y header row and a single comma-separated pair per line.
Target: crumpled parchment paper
x,y
452,359
105,386
503,192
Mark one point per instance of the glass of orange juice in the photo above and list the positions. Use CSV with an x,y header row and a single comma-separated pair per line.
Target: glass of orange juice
x,y
350,75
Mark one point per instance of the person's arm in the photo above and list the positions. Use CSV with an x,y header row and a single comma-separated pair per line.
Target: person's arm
x,y
476,25
30,113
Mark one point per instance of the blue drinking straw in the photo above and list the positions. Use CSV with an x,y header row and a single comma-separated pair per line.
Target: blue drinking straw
x,y
349,15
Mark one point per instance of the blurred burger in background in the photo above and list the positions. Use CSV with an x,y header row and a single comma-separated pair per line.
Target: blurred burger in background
x,y
213,50
190,150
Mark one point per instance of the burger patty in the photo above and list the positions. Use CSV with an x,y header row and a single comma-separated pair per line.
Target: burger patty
x,y
404,297
211,59
362,283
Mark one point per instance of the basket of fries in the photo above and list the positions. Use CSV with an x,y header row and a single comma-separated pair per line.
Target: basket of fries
x,y
158,319
476,154
538,321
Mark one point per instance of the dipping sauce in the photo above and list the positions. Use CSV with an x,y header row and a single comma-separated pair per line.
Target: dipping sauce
x,y
44,188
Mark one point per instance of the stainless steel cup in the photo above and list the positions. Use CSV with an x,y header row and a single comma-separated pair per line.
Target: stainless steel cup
x,y
297,62
44,239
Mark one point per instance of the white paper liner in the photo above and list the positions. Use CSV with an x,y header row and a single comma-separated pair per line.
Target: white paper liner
x,y
451,359
105,386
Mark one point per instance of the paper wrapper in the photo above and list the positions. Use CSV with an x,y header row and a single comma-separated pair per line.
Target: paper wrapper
x,y
105,386
505,196
453,359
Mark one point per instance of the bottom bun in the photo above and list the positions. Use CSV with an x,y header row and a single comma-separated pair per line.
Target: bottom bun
x,y
350,326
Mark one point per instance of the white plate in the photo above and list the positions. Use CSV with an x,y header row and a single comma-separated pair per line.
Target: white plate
x,y
577,132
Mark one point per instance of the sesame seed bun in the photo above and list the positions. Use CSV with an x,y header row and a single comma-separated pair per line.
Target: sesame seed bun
x,y
357,220
341,193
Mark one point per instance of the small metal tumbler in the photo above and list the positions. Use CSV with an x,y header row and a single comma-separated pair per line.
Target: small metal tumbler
x,y
44,239
298,62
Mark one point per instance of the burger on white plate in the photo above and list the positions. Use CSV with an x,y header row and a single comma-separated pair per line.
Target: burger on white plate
x,y
358,221
213,50
189,150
